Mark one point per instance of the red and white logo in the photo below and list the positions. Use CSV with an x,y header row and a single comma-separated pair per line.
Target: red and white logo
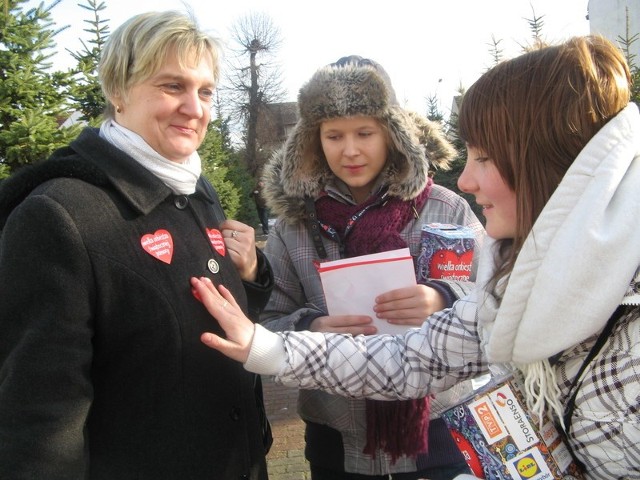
x,y
215,237
159,245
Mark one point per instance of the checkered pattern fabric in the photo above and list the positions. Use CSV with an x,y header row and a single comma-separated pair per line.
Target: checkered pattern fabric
x,y
605,432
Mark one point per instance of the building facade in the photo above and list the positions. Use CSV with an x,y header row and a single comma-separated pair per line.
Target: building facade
x,y
617,19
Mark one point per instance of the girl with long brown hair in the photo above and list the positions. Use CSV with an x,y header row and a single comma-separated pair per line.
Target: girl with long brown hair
x,y
554,160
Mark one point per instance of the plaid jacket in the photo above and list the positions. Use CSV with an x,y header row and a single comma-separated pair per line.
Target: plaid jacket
x,y
605,432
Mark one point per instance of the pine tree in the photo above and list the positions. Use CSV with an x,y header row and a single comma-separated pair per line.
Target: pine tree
x,y
635,88
626,43
495,50
222,166
536,24
33,99
449,178
433,109
86,91
225,167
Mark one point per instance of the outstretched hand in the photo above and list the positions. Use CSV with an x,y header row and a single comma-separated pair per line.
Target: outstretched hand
x,y
238,328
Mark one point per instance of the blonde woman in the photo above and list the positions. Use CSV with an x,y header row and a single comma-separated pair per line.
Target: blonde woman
x,y
98,244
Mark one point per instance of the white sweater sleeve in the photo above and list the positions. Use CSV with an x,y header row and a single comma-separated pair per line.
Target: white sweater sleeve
x,y
267,355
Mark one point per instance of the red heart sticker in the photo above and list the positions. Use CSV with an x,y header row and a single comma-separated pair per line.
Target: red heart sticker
x,y
447,264
215,237
159,245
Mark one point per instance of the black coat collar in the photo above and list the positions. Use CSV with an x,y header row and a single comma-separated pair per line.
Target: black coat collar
x,y
96,161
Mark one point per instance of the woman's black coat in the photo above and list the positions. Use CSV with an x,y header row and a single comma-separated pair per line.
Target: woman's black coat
x,y
102,372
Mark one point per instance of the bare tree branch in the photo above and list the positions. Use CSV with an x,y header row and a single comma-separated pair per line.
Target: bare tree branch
x,y
253,79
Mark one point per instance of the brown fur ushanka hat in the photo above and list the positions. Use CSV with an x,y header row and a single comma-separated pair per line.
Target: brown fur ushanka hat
x,y
350,87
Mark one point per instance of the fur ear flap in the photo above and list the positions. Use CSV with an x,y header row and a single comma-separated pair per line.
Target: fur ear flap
x,y
438,149
280,203
304,169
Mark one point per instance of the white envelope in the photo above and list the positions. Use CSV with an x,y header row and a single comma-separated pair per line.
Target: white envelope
x,y
352,284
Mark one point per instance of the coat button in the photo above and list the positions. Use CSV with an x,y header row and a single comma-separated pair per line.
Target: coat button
x,y
213,266
235,414
244,477
181,202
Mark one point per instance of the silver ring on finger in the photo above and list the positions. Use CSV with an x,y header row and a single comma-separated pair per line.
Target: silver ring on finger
x,y
234,234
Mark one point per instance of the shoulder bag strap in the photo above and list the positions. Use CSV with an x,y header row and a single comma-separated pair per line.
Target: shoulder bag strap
x,y
575,387
314,227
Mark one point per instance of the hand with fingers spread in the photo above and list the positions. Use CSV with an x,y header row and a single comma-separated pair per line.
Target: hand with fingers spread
x,y
220,303
409,306
240,242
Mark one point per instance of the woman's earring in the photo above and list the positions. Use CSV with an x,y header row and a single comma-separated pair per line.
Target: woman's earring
x,y
118,109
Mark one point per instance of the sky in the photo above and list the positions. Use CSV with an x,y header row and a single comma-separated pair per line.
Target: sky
x,y
428,47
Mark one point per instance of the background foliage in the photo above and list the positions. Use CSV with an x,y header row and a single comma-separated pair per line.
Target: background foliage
x,y
36,100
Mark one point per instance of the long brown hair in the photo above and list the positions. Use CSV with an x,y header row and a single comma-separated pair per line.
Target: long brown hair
x,y
532,115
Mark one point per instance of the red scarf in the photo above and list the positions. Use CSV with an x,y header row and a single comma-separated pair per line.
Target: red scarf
x,y
397,427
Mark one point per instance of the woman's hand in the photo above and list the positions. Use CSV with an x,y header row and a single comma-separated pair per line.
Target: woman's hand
x,y
240,242
238,328
353,324
409,305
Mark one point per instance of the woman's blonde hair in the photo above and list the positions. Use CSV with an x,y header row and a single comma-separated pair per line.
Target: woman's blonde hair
x,y
139,47
533,114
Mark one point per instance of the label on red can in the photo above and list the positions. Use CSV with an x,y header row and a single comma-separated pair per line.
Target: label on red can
x,y
446,252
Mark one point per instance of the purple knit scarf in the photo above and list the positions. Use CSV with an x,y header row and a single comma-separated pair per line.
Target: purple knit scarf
x,y
397,427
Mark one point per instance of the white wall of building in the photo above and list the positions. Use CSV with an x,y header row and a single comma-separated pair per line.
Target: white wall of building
x,y
609,18
73,119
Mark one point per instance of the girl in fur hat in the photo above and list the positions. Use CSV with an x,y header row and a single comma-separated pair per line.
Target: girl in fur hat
x,y
352,179
554,159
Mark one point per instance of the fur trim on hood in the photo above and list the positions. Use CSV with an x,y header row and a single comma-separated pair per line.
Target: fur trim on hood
x,y
355,87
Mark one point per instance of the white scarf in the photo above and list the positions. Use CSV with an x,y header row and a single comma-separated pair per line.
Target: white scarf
x,y
575,266
181,178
